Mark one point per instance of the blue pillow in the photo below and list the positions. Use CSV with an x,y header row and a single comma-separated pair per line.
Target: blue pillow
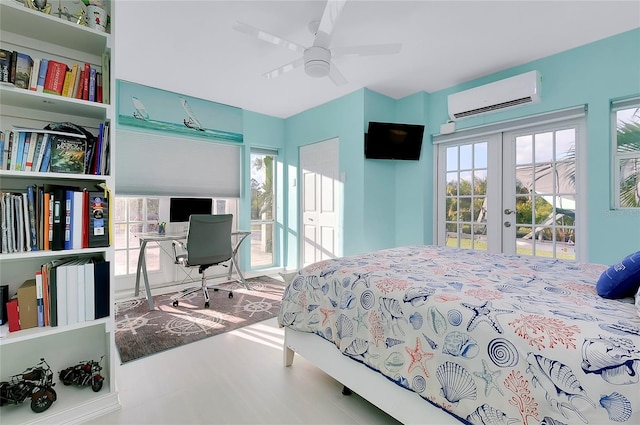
x,y
621,280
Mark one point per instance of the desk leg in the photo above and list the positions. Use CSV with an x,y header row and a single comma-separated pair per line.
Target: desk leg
x,y
139,268
142,267
234,261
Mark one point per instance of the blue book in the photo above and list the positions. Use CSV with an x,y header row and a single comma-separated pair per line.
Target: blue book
x,y
92,84
42,74
44,167
18,158
2,164
25,153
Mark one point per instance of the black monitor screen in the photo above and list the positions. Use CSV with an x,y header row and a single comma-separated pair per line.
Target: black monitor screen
x,y
181,208
393,141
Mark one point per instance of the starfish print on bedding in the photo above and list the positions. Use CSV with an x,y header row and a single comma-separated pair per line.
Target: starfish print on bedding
x,y
326,313
359,319
489,377
417,356
485,313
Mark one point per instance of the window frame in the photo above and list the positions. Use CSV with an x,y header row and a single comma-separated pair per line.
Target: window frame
x,y
617,157
265,222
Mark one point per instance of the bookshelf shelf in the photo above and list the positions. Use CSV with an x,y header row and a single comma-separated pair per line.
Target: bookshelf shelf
x,y
46,255
48,36
24,22
34,333
44,102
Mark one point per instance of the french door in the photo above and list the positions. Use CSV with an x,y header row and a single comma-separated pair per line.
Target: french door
x,y
512,191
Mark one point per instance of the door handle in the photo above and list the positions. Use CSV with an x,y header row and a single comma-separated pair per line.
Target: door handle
x,y
508,211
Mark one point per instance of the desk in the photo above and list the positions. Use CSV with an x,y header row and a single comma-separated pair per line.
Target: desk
x,y
157,237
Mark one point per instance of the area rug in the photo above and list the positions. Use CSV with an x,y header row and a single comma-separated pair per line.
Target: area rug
x,y
140,332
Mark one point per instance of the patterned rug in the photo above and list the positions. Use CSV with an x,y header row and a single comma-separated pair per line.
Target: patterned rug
x,y
141,333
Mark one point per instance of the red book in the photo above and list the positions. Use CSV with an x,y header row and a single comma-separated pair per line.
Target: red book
x,y
54,81
13,315
99,87
85,219
85,84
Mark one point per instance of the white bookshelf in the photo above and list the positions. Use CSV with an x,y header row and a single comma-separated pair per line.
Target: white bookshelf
x,y
41,35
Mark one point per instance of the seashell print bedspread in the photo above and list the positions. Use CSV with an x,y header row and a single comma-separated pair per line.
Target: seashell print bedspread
x,y
492,339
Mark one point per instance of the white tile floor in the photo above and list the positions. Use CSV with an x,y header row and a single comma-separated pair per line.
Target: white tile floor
x,y
234,378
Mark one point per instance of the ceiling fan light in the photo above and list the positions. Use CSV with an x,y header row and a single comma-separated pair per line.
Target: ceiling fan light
x,y
317,68
317,61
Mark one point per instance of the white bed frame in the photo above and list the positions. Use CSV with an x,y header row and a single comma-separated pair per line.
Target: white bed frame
x,y
404,405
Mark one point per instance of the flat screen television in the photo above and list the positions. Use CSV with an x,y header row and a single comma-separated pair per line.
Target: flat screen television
x,y
393,141
181,208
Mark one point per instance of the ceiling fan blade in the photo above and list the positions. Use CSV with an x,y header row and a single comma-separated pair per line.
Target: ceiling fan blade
x,y
368,50
284,68
336,76
268,37
330,16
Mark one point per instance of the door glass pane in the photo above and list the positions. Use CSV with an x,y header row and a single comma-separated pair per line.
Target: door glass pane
x,y
524,149
466,196
545,219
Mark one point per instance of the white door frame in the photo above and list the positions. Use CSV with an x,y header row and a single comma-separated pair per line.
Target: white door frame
x,y
328,151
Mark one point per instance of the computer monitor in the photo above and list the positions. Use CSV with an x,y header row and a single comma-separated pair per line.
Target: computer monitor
x,y
181,208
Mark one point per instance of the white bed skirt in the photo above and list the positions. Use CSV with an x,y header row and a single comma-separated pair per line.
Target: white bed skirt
x,y
404,405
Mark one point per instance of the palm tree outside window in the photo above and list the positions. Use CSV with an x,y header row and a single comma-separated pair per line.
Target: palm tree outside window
x,y
626,119
262,208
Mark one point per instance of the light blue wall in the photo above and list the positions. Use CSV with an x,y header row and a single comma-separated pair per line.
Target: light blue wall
x,y
379,188
414,212
341,118
390,203
594,75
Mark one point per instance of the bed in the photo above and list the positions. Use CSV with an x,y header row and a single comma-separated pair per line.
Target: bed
x,y
434,335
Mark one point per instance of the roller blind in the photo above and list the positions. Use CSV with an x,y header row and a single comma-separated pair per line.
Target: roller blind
x,y
151,164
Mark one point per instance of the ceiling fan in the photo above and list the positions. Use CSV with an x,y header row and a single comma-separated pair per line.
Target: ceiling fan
x,y
317,58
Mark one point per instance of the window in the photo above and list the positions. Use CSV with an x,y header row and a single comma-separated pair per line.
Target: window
x,y
626,136
134,215
262,207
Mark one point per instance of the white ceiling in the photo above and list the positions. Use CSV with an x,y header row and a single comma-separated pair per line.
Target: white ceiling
x,y
190,47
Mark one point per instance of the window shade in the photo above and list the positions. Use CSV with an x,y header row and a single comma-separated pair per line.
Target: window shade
x,y
152,164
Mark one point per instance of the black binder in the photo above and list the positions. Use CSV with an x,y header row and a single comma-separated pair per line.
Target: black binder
x,y
98,220
59,194
102,284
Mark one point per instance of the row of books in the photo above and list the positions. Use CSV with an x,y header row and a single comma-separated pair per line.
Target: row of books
x,y
64,292
78,81
28,149
53,217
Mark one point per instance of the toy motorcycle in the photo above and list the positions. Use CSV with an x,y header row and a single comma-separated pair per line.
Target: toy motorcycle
x,y
85,373
36,383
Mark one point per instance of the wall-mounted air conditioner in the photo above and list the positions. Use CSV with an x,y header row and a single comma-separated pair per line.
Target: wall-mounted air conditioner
x,y
523,89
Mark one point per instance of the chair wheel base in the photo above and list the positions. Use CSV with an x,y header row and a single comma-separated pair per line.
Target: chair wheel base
x,y
175,303
206,305
230,294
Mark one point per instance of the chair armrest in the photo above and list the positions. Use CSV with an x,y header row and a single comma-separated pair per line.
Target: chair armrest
x,y
179,252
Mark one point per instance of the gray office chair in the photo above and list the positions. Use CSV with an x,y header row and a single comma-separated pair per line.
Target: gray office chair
x,y
208,244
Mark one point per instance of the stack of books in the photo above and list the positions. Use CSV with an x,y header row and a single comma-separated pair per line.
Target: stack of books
x,y
78,81
53,217
28,149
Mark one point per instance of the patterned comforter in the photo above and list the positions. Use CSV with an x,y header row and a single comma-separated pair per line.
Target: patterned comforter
x,y
492,339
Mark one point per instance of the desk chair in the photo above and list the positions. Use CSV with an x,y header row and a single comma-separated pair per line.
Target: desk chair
x,y
208,244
